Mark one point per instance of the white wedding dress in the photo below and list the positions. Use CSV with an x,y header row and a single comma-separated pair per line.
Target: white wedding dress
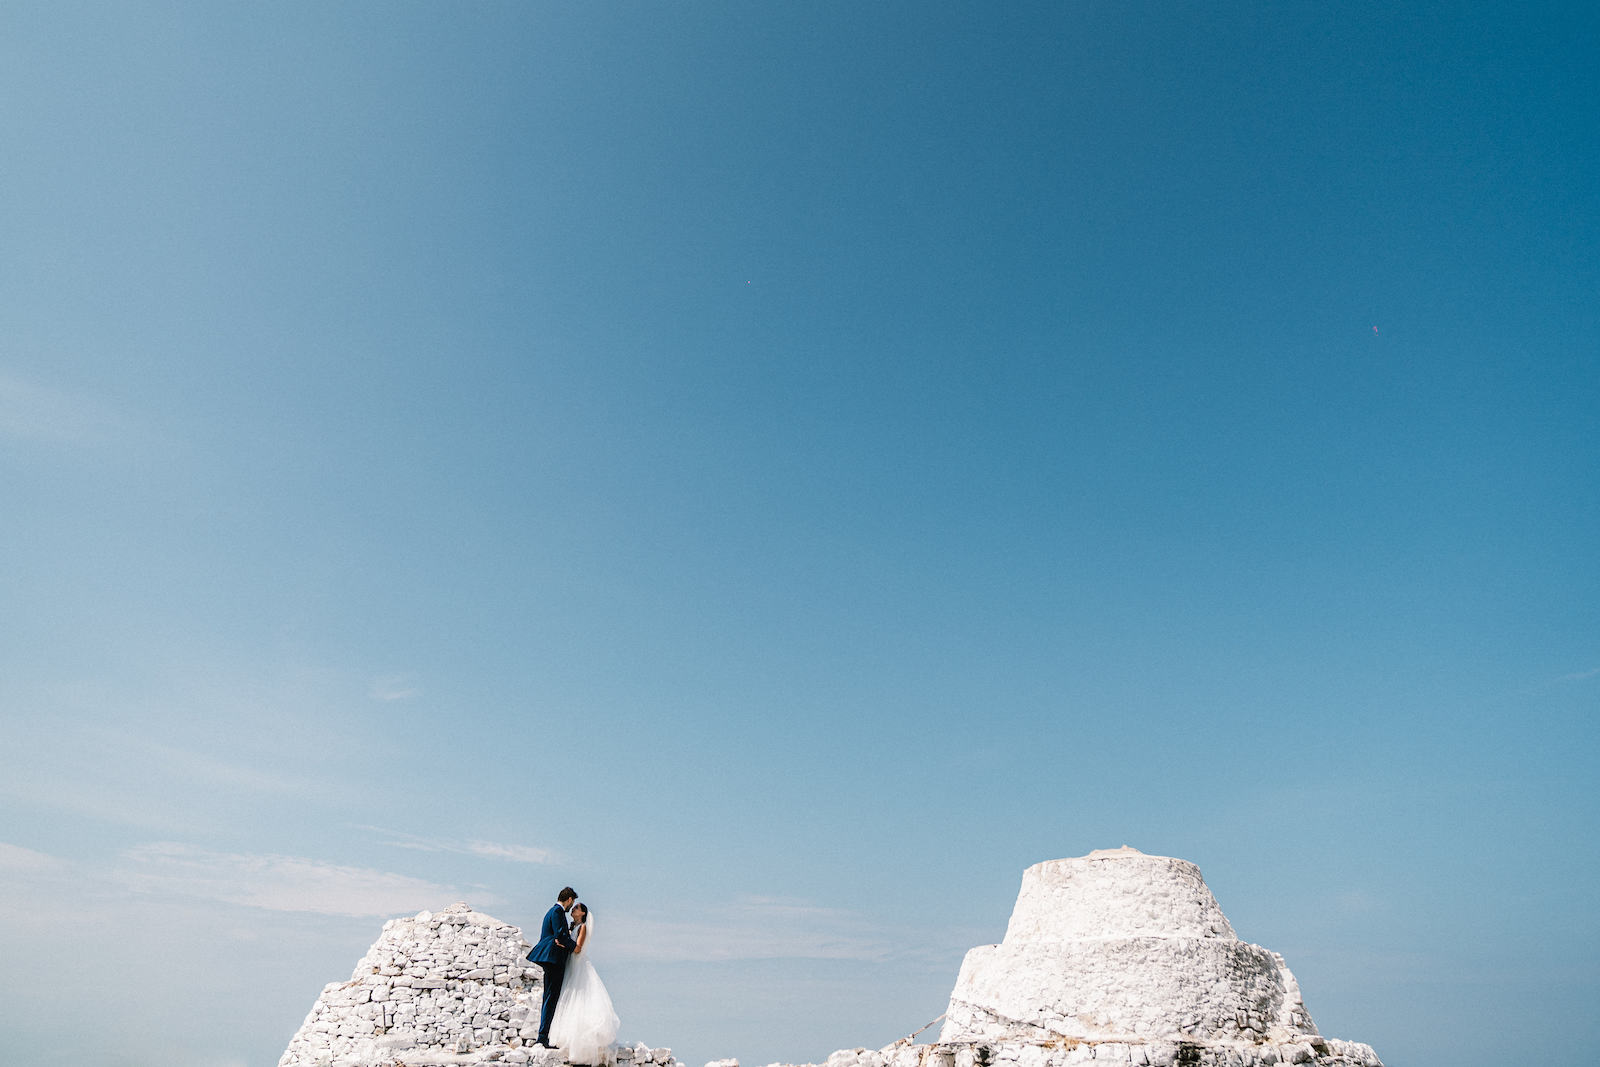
x,y
584,1026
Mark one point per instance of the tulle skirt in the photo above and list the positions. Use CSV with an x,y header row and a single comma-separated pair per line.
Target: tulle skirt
x,y
584,1026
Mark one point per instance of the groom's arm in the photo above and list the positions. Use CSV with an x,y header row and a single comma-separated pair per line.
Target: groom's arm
x,y
564,933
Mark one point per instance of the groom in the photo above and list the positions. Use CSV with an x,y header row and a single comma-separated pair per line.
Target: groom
x,y
555,944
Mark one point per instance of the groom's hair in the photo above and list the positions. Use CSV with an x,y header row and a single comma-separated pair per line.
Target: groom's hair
x,y
565,895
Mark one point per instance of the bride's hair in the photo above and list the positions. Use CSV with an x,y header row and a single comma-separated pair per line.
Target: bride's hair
x,y
585,908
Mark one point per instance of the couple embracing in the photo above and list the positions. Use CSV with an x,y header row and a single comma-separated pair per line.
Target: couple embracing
x,y
576,1015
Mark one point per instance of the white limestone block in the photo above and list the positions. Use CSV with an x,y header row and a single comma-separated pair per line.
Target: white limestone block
x,y
1114,893
1121,958
1119,944
423,991
1146,986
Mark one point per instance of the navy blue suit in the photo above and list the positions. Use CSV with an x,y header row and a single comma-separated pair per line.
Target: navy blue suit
x,y
555,945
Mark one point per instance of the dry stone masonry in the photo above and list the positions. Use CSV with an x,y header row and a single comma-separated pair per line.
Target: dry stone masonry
x,y
449,987
1120,960
1118,945
1115,959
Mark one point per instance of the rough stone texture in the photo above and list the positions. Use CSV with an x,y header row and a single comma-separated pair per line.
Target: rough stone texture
x,y
1119,959
1126,987
1120,945
1314,1051
1115,959
1114,893
449,987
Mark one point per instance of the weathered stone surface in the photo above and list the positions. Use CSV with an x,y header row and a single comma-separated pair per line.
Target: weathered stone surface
x,y
1119,959
448,987
1114,959
1066,1053
1114,893
1118,945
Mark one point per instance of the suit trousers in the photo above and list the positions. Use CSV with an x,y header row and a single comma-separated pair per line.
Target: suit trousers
x,y
554,972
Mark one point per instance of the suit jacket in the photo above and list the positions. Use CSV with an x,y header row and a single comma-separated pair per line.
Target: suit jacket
x,y
555,938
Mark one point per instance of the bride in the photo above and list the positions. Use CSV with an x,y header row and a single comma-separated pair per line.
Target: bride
x,y
584,1025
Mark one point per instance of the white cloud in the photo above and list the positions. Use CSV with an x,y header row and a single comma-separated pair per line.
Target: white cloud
x,y
1580,676
515,853
490,849
82,794
163,877
202,769
38,413
393,687
38,889
1356,901
278,883
750,928
16,858
116,775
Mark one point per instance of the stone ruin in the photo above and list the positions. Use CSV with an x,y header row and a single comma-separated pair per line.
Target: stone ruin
x,y
449,987
1121,960
1115,958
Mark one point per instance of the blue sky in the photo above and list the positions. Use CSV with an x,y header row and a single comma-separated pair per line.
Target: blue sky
x,y
784,469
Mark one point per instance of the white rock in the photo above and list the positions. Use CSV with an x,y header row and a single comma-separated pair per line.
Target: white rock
x,y
1115,959
426,1010
1117,944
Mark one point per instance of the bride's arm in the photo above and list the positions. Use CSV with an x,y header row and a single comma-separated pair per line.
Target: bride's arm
x,y
583,935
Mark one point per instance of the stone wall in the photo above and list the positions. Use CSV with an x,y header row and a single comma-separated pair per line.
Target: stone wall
x,y
1119,892
1115,959
1119,959
1127,987
449,987
1121,946
1313,1052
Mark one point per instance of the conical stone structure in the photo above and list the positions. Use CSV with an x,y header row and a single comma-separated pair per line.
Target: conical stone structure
x,y
441,987
1121,947
1114,959
448,987
1118,959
